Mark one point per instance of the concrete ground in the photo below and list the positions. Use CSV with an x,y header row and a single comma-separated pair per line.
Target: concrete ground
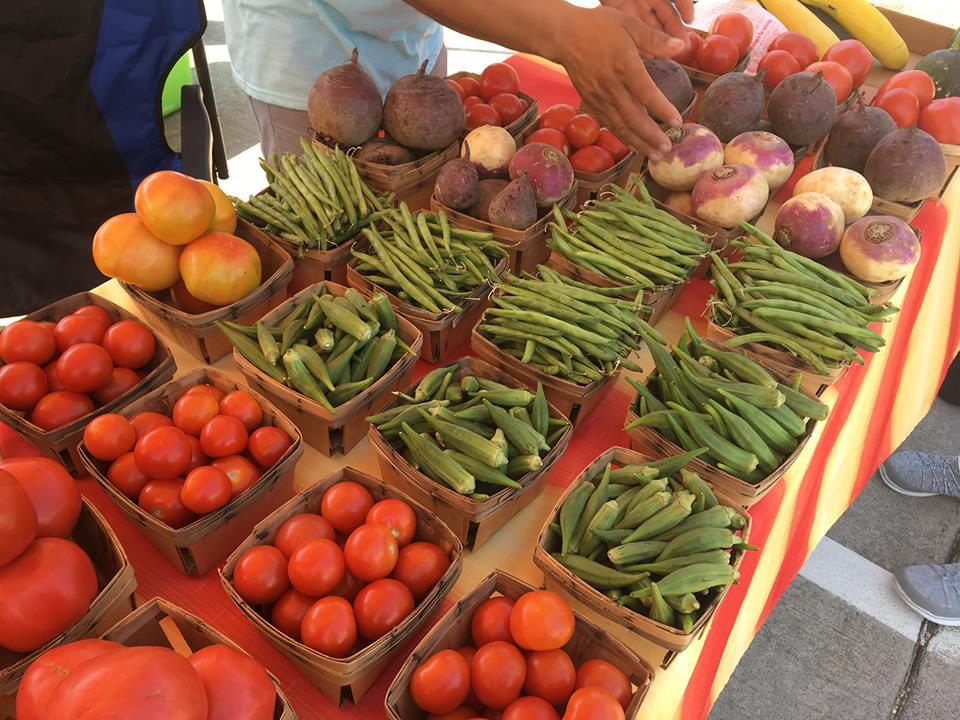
x,y
840,644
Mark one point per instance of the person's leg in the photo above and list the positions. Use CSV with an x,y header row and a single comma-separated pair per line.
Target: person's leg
x,y
280,128
920,474
931,590
950,390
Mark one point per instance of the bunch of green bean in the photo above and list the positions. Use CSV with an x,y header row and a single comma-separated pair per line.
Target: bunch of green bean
x,y
475,435
775,297
317,200
425,262
628,240
562,327
724,405
327,348
652,537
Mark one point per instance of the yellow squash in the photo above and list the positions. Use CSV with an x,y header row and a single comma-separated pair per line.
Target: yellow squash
x,y
797,17
869,26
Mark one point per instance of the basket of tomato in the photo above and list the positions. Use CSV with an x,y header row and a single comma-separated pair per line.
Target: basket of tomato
x,y
724,49
494,98
508,647
341,576
70,361
63,573
194,465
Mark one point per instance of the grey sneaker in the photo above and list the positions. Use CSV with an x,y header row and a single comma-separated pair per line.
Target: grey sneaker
x,y
931,590
920,474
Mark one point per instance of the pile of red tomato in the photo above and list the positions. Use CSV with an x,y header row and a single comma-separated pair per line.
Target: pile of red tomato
x,y
724,46
908,97
590,147
47,581
100,678
344,577
845,65
212,450
517,666
493,99
59,372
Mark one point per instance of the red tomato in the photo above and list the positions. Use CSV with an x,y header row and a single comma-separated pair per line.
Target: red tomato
x,y
348,587
345,505
779,65
916,81
611,143
95,311
22,384
50,669
498,78
582,130
316,567
557,117
237,686
541,620
498,671
689,55
45,590
197,458
837,75
84,368
192,412
27,340
52,491
798,45
302,528
370,552
381,606
457,87
468,651
241,405
223,435
735,26
205,489
529,708
601,674
557,138
18,519
216,393
130,344
146,683
126,476
470,85
941,118
53,380
260,575
74,329
718,54
420,566
267,445
591,159
471,101
329,627
397,516
440,683
59,408
480,114
854,56
593,703
163,452
109,436
121,380
161,498
508,106
144,422
902,105
551,675
242,473
491,621
288,612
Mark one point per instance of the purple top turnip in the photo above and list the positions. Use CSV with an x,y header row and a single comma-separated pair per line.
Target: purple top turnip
x,y
880,248
491,148
766,152
809,224
729,194
548,169
693,151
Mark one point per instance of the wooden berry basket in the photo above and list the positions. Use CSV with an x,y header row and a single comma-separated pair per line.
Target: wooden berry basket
x,y
349,678
522,123
327,431
60,444
197,334
629,624
526,248
472,521
203,544
162,624
589,642
114,600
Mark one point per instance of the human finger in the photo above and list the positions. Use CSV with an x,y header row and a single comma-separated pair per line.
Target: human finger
x,y
641,86
669,19
653,41
686,9
641,128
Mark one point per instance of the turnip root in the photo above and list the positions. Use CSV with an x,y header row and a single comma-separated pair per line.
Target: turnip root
x,y
764,151
879,248
809,224
729,194
491,149
849,189
548,169
693,151
680,202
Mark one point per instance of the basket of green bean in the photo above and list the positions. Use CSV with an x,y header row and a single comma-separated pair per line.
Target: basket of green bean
x,y
471,444
328,357
645,544
436,275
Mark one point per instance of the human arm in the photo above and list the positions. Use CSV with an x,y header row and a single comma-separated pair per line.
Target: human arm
x,y
658,14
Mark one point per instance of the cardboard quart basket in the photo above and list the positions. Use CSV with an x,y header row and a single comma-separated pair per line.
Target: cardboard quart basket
x,y
628,622
473,521
160,623
60,444
116,585
197,334
589,642
327,431
203,544
522,123
349,678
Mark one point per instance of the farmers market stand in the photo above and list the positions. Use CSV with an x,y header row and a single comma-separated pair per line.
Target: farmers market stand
x,y
870,415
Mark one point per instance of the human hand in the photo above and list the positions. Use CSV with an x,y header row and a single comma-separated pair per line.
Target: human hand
x,y
659,14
